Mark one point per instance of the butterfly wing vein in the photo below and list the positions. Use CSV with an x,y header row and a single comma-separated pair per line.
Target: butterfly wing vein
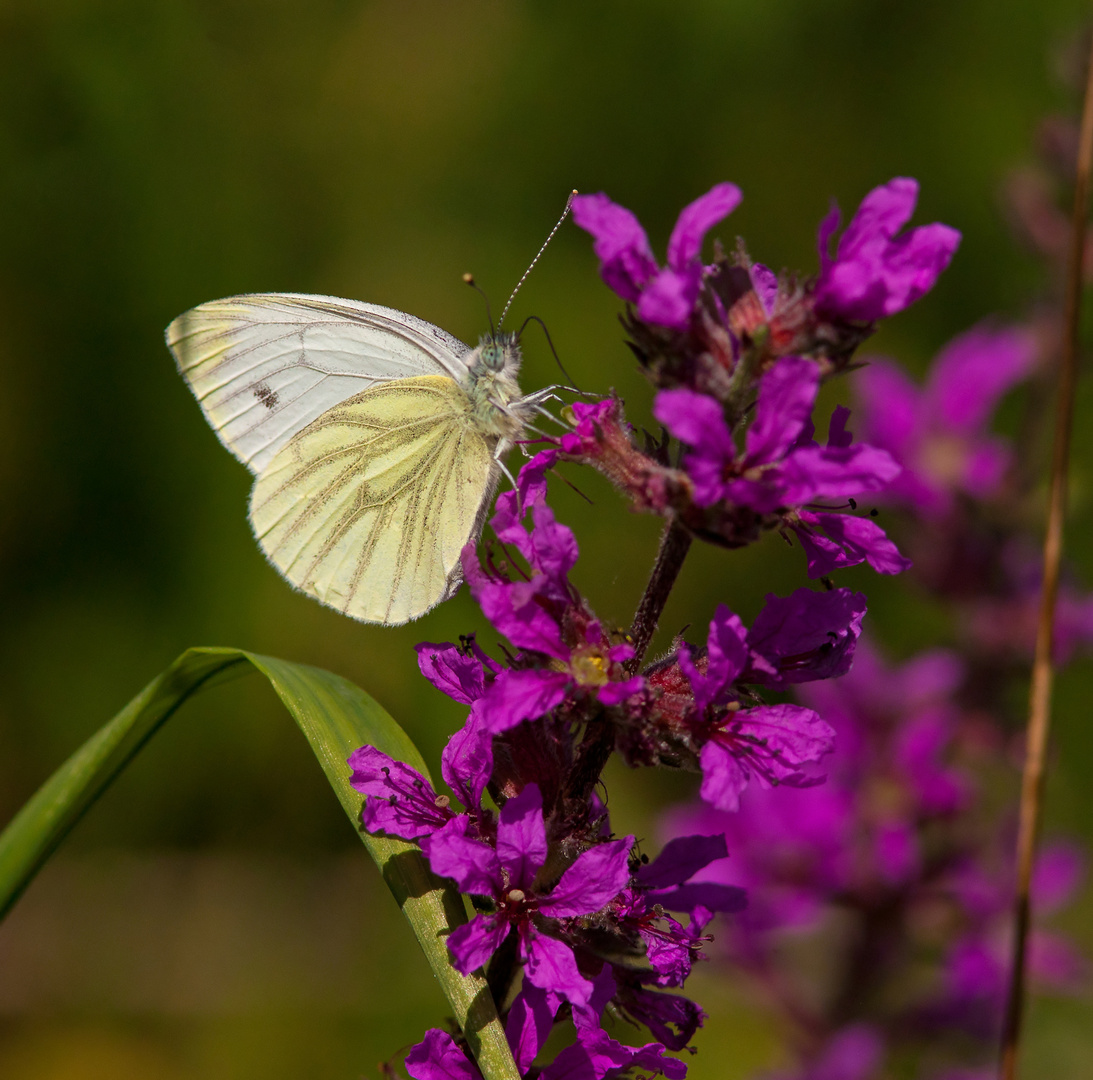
x,y
368,507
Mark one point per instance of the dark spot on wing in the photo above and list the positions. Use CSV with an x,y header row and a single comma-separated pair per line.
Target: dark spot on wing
x,y
266,396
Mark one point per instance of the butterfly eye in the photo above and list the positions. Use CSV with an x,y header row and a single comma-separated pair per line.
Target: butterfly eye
x,y
493,356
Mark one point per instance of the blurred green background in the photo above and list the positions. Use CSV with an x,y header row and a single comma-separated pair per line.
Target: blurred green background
x,y
214,916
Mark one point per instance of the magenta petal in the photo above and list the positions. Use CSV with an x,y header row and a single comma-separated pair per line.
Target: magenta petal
x,y
451,671
696,219
974,370
681,859
626,261
723,777
669,298
615,693
466,763
765,283
805,636
882,213
472,944
726,657
437,1057
516,696
837,473
863,539
401,802
787,393
551,965
597,876
891,408
521,837
695,419
471,864
875,273
790,735
554,549
529,1022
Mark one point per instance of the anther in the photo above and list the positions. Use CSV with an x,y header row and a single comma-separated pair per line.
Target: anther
x,y
515,896
442,802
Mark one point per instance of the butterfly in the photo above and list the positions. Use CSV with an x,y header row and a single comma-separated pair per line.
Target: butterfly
x,y
375,439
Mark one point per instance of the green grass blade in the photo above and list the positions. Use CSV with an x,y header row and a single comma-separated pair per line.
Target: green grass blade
x,y
336,717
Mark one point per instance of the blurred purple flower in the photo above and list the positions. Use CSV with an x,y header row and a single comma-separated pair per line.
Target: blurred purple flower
x,y
938,432
852,1053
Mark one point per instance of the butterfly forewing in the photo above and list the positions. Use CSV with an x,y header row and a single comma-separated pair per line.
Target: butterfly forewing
x,y
264,366
368,507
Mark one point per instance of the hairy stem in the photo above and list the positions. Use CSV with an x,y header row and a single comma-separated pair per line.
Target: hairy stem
x,y
675,542
1039,715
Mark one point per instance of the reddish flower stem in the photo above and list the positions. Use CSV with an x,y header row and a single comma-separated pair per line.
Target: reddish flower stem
x,y
1039,716
675,542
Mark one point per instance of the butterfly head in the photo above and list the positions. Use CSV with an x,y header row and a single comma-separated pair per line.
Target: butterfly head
x,y
499,352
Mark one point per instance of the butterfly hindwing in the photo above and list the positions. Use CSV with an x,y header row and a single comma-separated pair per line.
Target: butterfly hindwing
x,y
264,366
369,506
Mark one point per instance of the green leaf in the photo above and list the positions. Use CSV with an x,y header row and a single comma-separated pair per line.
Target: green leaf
x,y
336,717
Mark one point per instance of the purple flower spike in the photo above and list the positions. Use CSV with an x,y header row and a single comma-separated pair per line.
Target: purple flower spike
x,y
665,297
876,273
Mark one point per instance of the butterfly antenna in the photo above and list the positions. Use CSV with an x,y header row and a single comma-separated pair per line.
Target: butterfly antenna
x,y
558,359
565,214
468,279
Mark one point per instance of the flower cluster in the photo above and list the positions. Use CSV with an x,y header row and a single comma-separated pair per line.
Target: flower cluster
x,y
573,923
731,346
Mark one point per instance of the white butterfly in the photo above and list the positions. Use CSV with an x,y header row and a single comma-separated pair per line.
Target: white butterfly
x,y
374,436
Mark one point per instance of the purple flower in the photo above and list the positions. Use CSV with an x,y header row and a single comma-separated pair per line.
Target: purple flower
x,y
781,465
853,1053
938,432
835,541
401,802
507,876
671,1018
665,297
876,273
594,1055
671,948
805,636
770,742
437,1057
